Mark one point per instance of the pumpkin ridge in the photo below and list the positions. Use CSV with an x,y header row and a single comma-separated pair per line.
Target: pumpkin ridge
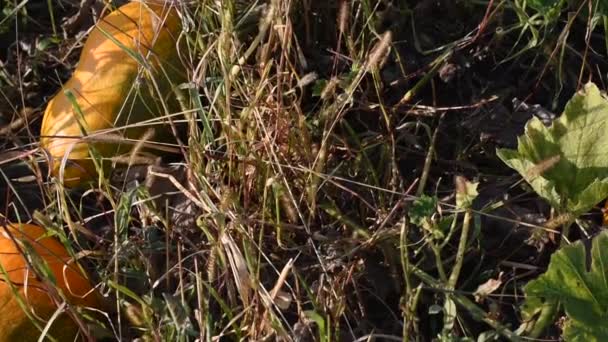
x,y
20,279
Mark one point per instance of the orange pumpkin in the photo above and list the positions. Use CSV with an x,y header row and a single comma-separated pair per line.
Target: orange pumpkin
x,y
128,68
19,283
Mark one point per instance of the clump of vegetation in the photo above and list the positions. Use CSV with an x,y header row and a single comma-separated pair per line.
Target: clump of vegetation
x,y
340,170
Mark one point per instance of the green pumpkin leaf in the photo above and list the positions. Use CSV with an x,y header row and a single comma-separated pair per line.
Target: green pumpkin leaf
x,y
581,289
567,163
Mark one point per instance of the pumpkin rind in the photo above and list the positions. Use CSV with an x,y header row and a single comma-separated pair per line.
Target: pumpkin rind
x,y
21,280
113,88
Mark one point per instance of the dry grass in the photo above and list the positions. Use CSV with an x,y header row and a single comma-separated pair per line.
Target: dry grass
x,y
311,196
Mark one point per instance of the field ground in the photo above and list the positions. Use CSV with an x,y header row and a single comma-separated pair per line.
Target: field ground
x,y
329,151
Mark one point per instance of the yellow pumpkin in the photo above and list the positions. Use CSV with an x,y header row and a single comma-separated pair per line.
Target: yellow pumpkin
x,y
19,282
127,70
